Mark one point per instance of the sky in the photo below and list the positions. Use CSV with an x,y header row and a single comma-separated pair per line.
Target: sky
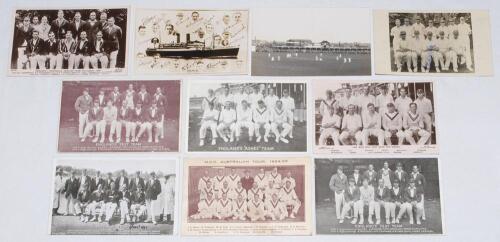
x,y
130,166
316,24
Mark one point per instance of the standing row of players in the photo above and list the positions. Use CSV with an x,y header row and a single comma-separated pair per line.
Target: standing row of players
x,y
226,114
263,196
138,112
96,199
382,116
82,43
442,45
386,189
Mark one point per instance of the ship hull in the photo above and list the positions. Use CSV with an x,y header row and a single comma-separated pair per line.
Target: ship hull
x,y
194,53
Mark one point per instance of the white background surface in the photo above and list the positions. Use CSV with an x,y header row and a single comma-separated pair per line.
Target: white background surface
x,y
468,123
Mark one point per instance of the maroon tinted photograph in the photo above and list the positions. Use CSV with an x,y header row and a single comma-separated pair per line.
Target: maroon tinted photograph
x,y
119,116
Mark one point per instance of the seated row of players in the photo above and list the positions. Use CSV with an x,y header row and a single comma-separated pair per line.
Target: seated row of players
x,y
384,189
247,110
139,112
77,43
402,118
443,45
247,198
96,199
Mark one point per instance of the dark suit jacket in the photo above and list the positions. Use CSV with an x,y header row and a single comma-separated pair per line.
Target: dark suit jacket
x,y
34,48
49,48
133,184
107,184
113,35
373,180
157,115
96,116
391,175
117,182
404,178
399,196
354,196
386,194
98,196
63,48
20,35
138,198
103,48
60,29
117,100
417,196
85,49
112,196
127,116
153,189
146,102
141,117
76,31
419,180
94,184
92,29
161,101
71,187
359,182
84,197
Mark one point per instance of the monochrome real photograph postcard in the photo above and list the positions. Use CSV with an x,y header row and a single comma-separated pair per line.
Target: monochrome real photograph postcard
x,y
119,116
378,196
69,41
311,42
448,43
113,197
191,41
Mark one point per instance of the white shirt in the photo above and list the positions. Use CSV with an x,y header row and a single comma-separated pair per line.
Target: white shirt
x,y
392,121
351,122
261,115
403,104
228,116
364,100
381,102
372,119
210,114
271,101
244,115
327,119
288,103
280,115
424,105
254,99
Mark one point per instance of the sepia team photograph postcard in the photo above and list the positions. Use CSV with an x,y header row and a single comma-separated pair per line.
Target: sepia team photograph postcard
x,y
449,43
378,196
113,197
183,41
246,196
119,116
87,41
367,117
311,42
247,116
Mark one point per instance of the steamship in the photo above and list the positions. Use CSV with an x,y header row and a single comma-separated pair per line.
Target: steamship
x,y
190,49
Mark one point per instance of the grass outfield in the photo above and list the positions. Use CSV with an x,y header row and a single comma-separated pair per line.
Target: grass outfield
x,y
305,64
